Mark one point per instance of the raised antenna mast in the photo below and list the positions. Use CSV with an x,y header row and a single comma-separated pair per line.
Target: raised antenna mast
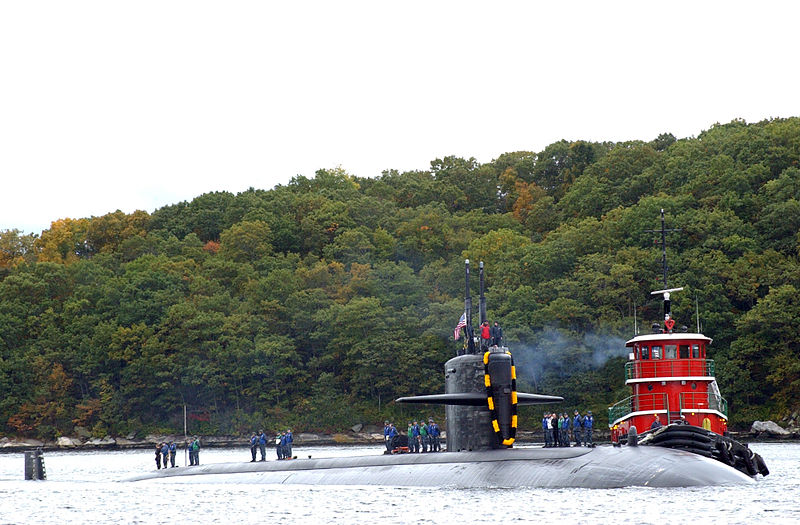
x,y
482,300
468,309
668,321
697,312
663,231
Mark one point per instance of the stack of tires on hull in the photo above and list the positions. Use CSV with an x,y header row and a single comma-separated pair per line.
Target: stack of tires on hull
x,y
706,443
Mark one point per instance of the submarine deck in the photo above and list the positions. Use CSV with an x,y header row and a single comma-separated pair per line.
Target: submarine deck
x,y
601,467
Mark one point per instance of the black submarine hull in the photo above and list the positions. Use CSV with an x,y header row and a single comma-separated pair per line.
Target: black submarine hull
x,y
601,468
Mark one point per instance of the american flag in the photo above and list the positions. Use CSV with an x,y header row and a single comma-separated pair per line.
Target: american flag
x,y
461,323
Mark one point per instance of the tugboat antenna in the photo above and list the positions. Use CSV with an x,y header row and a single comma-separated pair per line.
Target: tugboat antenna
x,y
663,232
668,322
697,312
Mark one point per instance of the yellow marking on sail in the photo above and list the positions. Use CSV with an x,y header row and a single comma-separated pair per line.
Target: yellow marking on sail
x,y
491,403
486,358
487,380
514,421
513,372
495,425
508,442
513,397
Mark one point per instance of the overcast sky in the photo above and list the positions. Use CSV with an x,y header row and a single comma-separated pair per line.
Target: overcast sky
x,y
108,105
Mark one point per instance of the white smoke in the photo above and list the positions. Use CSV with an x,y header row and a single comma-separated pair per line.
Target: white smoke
x,y
558,353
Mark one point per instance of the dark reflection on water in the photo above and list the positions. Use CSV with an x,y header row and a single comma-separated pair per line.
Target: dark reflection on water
x,y
82,488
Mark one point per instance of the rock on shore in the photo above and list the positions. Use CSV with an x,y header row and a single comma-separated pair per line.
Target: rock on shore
x,y
769,428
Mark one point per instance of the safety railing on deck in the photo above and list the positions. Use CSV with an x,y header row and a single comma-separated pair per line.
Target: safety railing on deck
x,y
636,404
669,368
704,401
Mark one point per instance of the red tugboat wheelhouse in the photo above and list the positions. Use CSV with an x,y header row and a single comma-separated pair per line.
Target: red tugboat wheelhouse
x,y
675,401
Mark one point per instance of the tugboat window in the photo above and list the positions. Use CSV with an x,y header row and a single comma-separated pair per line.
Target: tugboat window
x,y
695,351
670,352
645,352
656,352
683,351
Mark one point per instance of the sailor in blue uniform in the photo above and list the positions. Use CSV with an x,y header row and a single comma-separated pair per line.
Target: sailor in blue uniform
x,y
289,441
389,432
577,428
262,445
282,445
253,446
415,437
588,421
173,448
434,432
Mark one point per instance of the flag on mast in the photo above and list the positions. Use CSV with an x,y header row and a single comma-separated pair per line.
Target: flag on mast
x,y
461,323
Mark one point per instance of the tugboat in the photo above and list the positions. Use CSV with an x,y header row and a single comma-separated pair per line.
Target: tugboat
x,y
675,401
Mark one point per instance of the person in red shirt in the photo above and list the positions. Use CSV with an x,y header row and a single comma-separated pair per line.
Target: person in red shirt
x,y
485,335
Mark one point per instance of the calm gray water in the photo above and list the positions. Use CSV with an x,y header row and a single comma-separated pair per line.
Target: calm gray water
x,y
82,487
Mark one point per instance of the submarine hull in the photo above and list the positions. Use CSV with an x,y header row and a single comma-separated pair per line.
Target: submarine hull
x,y
601,467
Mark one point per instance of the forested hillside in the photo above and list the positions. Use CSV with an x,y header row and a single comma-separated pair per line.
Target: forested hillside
x,y
315,304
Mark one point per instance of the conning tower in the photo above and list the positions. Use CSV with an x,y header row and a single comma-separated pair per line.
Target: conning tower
x,y
480,389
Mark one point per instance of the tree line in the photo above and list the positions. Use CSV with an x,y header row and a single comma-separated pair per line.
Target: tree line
x,y
316,303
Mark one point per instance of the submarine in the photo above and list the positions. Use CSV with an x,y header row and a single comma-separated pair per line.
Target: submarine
x,y
481,402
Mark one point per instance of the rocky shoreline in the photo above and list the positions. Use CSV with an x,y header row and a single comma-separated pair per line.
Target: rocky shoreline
x,y
358,435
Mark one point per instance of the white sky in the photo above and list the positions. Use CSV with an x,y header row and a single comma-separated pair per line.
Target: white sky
x,y
108,105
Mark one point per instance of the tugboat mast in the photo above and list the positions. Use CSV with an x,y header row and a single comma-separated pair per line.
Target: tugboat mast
x,y
668,322
663,232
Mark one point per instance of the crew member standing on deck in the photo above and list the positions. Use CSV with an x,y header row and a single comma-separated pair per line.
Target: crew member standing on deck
x,y
588,423
158,456
165,454
497,334
253,446
486,335
289,441
577,428
262,445
554,426
173,448
278,447
433,430
284,455
415,436
545,419
389,432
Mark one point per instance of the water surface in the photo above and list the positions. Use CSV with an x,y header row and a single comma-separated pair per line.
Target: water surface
x,y
83,487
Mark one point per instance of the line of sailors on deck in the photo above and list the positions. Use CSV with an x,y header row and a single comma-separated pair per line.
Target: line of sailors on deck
x,y
557,428
282,440
421,438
